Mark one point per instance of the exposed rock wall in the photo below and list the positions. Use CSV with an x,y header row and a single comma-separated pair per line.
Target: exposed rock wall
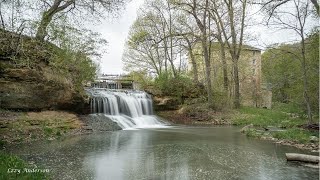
x,y
29,82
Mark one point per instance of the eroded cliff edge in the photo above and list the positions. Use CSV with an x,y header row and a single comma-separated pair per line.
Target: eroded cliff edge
x,y
32,77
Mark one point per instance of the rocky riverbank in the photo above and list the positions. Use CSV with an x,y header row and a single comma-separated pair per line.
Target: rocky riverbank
x,y
276,135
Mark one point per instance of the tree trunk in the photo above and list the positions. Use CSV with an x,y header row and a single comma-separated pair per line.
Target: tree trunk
x,y
204,40
48,15
236,83
194,67
208,71
316,5
222,44
171,43
1,18
166,53
42,28
224,66
158,59
302,157
193,62
305,81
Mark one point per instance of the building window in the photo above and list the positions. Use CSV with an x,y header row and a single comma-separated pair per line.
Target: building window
x,y
254,66
254,62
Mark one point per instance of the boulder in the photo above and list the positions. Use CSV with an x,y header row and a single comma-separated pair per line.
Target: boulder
x,y
246,128
314,139
100,123
166,103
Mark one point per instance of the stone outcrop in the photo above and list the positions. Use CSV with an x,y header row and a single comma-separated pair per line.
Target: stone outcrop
x,y
98,123
27,79
165,103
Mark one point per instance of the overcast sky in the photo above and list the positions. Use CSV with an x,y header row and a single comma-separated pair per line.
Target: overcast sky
x,y
115,31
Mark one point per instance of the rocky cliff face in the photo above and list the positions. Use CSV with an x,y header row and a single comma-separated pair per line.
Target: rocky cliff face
x,y
27,79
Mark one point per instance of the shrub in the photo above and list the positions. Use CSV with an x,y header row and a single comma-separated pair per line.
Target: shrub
x,y
181,86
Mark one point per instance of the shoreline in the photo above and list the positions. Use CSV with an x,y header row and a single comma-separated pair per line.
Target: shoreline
x,y
221,119
63,124
17,127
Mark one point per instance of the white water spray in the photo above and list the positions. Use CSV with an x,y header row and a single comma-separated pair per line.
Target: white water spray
x,y
128,108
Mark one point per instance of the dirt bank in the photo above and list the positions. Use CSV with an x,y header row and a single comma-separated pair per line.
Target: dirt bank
x,y
16,127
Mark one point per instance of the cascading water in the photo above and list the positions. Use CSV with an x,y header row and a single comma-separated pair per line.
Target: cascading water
x,y
128,108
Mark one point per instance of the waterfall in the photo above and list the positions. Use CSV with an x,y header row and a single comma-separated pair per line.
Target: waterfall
x,y
128,108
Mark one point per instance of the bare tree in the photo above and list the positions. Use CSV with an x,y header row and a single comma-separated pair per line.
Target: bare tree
x,y
165,38
58,6
272,5
163,9
142,49
189,47
1,18
199,11
295,20
221,40
236,33
188,31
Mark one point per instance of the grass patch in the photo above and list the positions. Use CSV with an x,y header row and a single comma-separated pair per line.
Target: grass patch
x,y
253,133
282,115
13,162
48,131
288,108
295,134
286,116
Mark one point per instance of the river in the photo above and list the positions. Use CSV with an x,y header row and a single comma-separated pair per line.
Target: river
x,y
176,152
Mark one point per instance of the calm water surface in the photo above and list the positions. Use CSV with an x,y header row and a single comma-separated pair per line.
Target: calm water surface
x,y
168,153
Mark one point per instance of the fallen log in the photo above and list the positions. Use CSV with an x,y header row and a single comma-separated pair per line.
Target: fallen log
x,y
302,157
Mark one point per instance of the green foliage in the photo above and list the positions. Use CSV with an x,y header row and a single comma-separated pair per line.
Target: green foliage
x,y
78,50
222,101
295,134
48,131
281,67
253,133
137,38
74,65
196,110
72,61
142,78
258,117
14,162
181,86
281,115
287,107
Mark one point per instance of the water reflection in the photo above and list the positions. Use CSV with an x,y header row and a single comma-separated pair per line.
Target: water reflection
x,y
174,153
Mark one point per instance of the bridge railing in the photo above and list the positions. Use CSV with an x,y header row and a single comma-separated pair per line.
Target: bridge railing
x,y
113,81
